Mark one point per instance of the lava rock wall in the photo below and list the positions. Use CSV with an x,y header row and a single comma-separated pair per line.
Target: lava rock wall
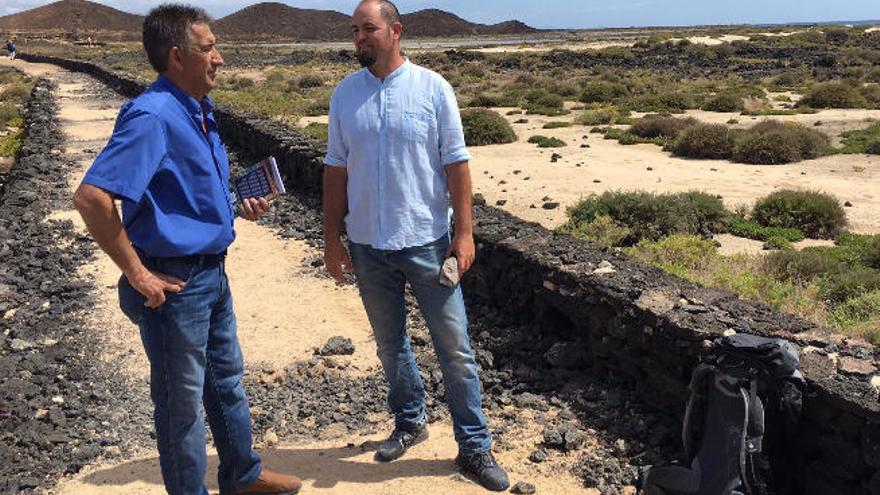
x,y
626,318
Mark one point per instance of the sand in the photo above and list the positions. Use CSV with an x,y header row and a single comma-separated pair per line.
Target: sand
x,y
523,174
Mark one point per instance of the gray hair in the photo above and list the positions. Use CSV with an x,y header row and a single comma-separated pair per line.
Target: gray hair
x,y
167,26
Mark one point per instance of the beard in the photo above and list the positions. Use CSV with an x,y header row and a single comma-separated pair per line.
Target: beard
x,y
365,59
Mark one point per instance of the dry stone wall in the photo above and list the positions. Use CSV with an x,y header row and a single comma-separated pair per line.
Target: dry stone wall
x,y
626,318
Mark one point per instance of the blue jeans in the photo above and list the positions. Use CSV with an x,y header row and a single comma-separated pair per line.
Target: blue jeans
x,y
381,278
195,359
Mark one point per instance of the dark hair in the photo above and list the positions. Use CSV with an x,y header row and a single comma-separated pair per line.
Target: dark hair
x,y
167,26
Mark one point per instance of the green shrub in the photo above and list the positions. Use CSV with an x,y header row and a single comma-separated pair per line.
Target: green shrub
x,y
546,142
676,254
483,126
485,100
601,116
777,242
556,125
714,141
653,216
832,95
669,102
871,94
317,130
799,266
857,310
622,137
10,144
847,284
858,249
16,93
661,126
310,81
8,113
772,142
603,92
788,79
857,141
872,147
724,102
602,231
751,229
541,98
815,213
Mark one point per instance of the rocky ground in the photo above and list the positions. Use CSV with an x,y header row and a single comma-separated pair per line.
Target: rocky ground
x,y
63,408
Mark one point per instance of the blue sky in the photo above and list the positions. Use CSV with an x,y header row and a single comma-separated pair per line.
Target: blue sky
x,y
569,13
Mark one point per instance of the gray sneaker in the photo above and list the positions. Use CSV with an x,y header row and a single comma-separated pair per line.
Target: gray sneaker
x,y
399,441
482,465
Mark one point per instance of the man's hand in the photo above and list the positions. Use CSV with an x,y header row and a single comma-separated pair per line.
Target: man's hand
x,y
253,208
465,252
153,286
336,260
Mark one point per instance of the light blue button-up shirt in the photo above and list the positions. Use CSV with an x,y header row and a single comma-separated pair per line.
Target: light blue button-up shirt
x,y
394,137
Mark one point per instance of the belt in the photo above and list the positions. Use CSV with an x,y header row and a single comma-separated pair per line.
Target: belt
x,y
194,259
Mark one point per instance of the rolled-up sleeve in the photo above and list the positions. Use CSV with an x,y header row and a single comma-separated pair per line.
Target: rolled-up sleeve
x,y
337,152
129,161
451,134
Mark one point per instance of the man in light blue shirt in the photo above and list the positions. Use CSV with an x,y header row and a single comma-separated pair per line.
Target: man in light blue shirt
x,y
395,158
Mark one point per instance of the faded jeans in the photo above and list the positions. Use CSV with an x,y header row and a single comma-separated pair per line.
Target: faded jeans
x,y
381,278
195,359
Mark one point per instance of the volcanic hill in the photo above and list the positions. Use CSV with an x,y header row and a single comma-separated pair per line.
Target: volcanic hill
x,y
73,16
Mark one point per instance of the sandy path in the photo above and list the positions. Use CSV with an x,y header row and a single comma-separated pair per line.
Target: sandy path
x,y
522,174
283,314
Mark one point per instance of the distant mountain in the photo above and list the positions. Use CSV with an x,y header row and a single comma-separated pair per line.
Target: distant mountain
x,y
73,16
271,20
258,22
431,23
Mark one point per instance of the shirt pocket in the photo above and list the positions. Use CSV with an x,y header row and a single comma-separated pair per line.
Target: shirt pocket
x,y
416,125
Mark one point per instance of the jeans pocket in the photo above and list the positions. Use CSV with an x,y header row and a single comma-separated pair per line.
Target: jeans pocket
x,y
131,302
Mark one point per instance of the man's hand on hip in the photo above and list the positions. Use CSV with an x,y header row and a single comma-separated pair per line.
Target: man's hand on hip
x,y
153,286
254,208
465,252
336,259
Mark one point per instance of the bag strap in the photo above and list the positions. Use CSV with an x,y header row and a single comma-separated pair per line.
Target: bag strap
x,y
696,388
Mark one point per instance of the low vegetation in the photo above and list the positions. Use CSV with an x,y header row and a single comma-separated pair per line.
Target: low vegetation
x,y
835,285
547,142
483,126
15,89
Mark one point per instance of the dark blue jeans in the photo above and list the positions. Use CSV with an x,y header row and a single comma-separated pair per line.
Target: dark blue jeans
x,y
195,359
381,277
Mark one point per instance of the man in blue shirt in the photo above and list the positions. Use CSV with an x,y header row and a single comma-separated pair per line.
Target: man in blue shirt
x,y
395,157
166,162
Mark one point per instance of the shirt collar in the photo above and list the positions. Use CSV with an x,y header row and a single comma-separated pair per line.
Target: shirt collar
x,y
403,69
193,106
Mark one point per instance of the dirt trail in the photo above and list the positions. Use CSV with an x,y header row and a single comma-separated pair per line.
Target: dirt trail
x,y
284,312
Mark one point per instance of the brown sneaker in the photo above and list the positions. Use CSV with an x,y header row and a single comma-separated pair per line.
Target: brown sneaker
x,y
271,483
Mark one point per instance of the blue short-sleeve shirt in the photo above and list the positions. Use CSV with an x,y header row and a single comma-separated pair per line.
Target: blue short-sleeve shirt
x,y
171,175
394,137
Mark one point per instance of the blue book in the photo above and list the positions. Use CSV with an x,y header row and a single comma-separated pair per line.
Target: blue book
x,y
260,180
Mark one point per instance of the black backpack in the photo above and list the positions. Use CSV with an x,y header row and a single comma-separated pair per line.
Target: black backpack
x,y
743,411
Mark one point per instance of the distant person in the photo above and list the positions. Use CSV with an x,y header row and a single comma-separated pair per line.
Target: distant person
x,y
167,164
10,48
395,157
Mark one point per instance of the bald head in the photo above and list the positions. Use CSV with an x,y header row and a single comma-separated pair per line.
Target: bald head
x,y
387,9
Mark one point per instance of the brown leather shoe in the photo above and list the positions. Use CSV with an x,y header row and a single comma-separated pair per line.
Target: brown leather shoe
x,y
271,483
